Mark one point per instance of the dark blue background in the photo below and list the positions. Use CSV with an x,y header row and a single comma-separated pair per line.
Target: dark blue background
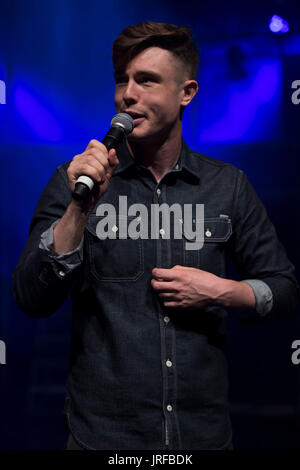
x,y
55,59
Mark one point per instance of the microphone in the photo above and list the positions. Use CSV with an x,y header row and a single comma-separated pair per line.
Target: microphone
x,y
121,126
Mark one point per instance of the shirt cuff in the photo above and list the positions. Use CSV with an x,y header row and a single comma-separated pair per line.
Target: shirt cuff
x,y
263,296
71,260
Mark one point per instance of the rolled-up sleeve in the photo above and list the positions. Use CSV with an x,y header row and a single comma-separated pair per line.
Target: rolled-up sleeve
x,y
258,255
263,296
43,279
63,262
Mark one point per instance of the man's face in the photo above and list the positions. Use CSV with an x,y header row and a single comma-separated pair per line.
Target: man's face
x,y
150,90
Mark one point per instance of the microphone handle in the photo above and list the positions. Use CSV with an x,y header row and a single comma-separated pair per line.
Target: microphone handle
x,y
85,184
114,137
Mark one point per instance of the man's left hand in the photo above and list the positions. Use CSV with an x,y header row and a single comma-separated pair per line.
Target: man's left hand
x,y
184,287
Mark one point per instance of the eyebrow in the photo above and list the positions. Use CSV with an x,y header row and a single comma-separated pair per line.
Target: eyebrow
x,y
148,73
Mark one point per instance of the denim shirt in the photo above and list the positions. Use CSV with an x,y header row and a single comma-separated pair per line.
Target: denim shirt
x,y
144,376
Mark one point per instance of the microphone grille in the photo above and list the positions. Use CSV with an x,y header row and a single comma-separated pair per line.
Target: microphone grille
x,y
123,120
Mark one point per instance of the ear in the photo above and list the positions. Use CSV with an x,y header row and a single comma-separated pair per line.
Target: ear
x,y
189,88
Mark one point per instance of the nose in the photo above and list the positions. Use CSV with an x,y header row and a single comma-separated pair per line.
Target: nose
x,y
130,95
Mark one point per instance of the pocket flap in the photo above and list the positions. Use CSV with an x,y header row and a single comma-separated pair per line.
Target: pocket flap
x,y
215,229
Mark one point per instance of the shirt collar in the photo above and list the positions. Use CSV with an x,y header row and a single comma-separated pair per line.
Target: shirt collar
x,y
186,161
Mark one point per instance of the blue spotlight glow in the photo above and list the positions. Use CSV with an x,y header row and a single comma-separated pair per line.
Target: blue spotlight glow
x,y
247,106
39,118
278,25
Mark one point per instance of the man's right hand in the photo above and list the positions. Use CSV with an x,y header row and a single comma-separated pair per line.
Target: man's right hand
x,y
97,163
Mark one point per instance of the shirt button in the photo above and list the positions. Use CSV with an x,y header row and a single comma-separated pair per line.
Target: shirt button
x,y
169,408
208,233
162,232
166,319
169,363
62,273
158,191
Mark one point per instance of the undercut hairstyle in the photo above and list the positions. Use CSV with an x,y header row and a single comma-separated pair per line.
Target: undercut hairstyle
x,y
176,39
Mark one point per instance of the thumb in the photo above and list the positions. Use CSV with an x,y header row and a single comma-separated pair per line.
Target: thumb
x,y
112,152
113,161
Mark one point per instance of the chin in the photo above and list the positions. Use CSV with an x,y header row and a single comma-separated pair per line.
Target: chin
x,y
138,137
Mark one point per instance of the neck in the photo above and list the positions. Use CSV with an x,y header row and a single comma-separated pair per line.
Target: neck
x,y
158,156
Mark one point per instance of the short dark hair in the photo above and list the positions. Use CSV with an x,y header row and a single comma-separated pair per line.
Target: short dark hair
x,y
176,39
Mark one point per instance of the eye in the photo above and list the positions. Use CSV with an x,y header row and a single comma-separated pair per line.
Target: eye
x,y
145,80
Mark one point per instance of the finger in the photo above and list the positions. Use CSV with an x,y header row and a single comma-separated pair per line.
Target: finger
x,y
168,296
97,145
98,155
92,168
96,158
161,286
93,158
163,274
113,161
98,161
172,304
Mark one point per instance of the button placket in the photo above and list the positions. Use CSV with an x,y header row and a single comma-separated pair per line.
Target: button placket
x,y
166,337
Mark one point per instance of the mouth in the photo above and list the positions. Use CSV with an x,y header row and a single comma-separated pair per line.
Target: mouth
x,y
137,117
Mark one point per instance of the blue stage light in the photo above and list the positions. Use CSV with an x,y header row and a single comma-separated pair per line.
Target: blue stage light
x,y
250,107
278,25
37,116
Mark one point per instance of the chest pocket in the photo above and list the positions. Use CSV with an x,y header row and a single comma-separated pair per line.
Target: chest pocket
x,y
117,257
211,256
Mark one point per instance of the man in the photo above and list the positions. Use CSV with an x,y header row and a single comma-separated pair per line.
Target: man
x,y
147,366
